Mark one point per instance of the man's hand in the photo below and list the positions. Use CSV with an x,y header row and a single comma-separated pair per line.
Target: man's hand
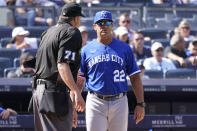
x,y
139,113
193,60
75,94
77,99
74,118
5,114
80,81
182,62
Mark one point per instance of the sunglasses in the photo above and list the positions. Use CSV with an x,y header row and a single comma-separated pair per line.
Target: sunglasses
x,y
126,21
102,23
139,39
187,28
160,49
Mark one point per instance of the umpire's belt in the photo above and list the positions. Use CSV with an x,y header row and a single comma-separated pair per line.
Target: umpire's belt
x,y
40,81
51,84
108,97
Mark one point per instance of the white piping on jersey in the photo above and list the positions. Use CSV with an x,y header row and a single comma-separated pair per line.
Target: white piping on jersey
x,y
138,71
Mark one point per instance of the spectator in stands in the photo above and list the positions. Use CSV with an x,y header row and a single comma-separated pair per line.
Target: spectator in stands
x,y
142,69
3,3
5,113
176,31
177,52
30,16
124,20
22,71
172,2
192,2
84,34
20,41
53,7
192,53
184,30
158,62
157,1
179,2
192,49
10,12
140,51
121,33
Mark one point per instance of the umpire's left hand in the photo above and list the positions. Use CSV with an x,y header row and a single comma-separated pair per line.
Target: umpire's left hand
x,y
139,113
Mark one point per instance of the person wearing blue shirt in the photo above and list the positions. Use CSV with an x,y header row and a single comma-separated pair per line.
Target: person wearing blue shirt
x,y
1,109
105,63
5,113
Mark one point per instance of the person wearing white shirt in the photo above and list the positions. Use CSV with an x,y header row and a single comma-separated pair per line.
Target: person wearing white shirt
x,y
20,39
184,30
3,3
158,62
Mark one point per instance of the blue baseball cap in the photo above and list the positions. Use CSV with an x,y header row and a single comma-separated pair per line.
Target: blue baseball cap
x,y
102,15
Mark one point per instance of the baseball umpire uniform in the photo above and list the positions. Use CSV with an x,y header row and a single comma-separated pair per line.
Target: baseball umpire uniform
x,y
59,44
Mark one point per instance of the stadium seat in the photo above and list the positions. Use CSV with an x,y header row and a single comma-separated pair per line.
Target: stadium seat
x,y
16,62
131,4
104,4
138,1
181,73
154,73
185,13
10,53
5,41
154,33
158,10
36,31
5,31
163,24
7,70
4,63
91,35
31,51
147,43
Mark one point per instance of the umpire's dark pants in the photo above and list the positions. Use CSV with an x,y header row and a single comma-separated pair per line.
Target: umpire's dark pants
x,y
45,122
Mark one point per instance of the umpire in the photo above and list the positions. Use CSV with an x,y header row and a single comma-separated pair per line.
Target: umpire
x,y
57,63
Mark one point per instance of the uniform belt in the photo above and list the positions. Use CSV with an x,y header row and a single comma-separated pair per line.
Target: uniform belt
x,y
40,81
108,97
49,84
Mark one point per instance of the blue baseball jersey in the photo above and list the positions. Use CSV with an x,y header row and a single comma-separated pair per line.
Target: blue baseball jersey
x,y
105,67
1,109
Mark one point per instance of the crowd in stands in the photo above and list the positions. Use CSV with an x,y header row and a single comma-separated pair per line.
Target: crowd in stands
x,y
180,51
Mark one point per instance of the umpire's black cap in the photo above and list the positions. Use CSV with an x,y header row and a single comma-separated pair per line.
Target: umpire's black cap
x,y
71,9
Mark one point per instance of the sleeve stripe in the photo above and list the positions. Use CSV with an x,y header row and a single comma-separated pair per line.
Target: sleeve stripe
x,y
138,71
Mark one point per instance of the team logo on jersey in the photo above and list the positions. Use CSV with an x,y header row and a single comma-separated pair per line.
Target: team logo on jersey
x,y
93,51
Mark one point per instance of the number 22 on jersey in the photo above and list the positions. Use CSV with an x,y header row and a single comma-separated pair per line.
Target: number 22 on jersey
x,y
119,76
